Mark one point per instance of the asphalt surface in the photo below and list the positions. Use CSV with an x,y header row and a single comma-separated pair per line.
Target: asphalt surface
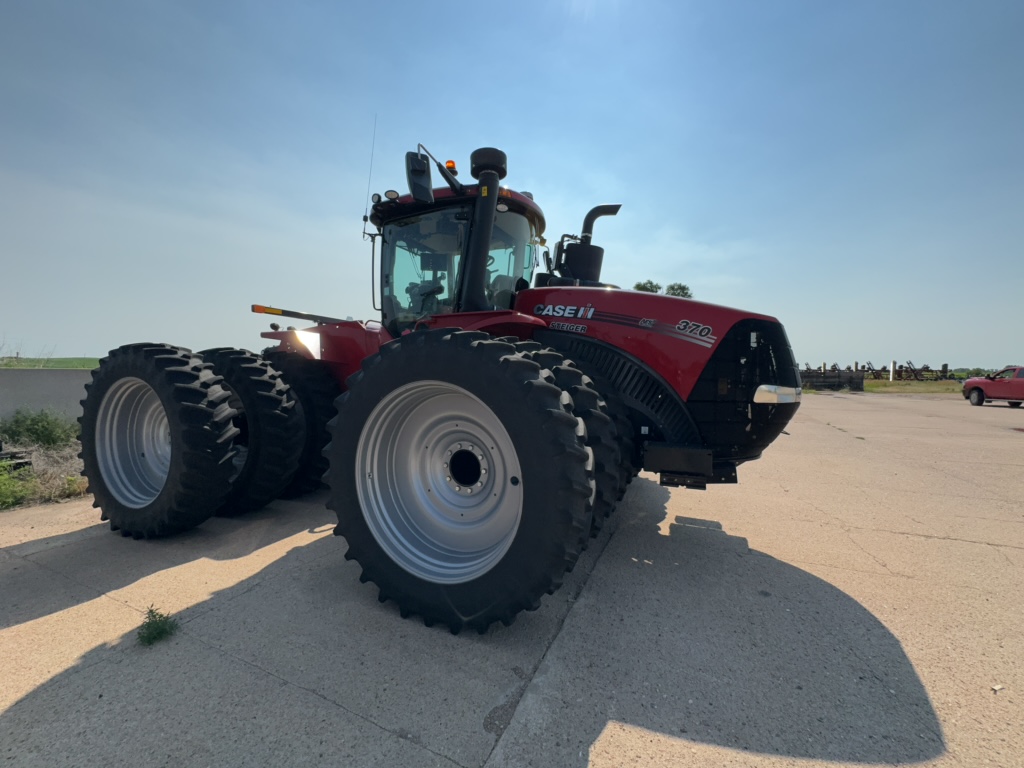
x,y
856,599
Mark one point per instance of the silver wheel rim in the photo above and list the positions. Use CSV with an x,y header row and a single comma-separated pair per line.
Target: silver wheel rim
x,y
439,482
133,442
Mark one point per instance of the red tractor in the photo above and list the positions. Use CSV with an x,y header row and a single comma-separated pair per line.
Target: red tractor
x,y
474,437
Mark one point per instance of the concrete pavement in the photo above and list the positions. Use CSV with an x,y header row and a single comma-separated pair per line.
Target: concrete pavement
x,y
854,600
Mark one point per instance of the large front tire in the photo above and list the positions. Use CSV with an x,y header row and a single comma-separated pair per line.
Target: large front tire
x,y
156,437
977,397
267,448
458,478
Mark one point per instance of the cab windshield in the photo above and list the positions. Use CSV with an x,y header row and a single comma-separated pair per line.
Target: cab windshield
x,y
422,258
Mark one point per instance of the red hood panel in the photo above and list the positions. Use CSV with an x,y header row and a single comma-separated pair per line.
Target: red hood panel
x,y
674,336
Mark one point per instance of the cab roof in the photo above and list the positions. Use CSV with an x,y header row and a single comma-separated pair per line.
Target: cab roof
x,y
390,210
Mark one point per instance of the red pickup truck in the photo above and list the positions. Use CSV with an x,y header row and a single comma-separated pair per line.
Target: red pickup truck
x,y
1008,385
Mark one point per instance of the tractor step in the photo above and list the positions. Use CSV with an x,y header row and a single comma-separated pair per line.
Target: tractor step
x,y
686,466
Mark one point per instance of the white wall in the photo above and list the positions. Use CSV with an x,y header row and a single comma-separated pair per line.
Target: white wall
x,y
59,390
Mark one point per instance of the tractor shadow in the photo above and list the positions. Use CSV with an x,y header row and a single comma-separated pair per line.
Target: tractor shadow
x,y
670,626
46,575
724,645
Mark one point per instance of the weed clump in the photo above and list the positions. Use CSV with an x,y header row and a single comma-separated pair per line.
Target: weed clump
x,y
51,441
45,429
156,626
16,485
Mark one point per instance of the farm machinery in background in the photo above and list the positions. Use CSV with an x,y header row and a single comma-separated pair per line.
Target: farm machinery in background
x,y
476,435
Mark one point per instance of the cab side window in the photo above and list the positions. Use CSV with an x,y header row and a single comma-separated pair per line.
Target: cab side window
x,y
511,258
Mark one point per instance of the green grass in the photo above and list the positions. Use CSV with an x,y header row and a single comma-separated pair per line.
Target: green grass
x,y
913,387
901,387
156,627
49,362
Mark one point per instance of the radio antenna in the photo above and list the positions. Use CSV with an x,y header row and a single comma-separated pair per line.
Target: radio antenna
x,y
372,237
369,180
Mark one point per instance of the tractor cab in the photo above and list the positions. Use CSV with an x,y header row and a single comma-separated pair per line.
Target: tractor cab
x,y
463,248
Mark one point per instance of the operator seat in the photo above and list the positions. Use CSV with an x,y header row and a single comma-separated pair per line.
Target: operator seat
x,y
503,291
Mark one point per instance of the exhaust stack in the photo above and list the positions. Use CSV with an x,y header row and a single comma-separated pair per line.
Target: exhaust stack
x,y
583,260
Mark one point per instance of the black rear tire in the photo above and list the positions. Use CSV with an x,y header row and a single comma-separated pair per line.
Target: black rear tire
x,y
156,437
403,507
1014,403
315,389
271,432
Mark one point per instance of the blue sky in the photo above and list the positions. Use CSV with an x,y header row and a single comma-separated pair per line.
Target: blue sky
x,y
854,169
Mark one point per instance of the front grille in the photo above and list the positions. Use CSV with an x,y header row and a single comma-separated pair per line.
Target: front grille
x,y
752,353
654,403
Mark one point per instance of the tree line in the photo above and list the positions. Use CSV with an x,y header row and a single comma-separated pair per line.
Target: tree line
x,y
682,290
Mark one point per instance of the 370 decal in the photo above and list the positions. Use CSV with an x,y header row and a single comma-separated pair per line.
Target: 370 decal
x,y
694,329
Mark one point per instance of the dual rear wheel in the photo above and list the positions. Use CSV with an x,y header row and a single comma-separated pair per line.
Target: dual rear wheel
x,y
170,437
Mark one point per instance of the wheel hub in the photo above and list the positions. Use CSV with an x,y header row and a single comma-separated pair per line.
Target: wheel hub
x,y
466,467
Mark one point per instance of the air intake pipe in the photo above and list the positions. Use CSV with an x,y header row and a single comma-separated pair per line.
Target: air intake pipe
x,y
488,166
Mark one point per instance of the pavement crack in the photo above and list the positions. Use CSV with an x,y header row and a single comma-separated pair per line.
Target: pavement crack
x,y
867,552
223,597
847,569
67,577
396,732
939,538
989,519
502,715
847,531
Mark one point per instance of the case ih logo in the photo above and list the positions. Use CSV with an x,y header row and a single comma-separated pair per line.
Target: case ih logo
x,y
560,310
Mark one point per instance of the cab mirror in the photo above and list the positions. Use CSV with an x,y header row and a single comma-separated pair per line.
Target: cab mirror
x,y
417,171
